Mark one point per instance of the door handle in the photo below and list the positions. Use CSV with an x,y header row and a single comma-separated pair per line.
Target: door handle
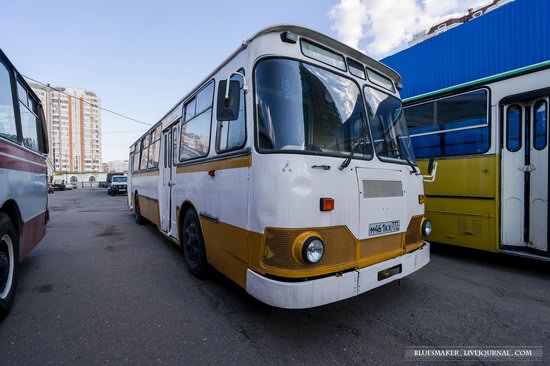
x,y
527,168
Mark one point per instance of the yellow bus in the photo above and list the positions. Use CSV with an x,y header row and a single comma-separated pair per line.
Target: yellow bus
x,y
490,137
290,170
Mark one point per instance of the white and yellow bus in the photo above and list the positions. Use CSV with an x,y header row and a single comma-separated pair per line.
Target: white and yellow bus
x,y
290,170
490,137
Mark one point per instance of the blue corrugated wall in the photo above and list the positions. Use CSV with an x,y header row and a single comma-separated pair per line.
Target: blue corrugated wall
x,y
510,37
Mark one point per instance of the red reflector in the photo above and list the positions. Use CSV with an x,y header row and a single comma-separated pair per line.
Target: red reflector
x,y
212,173
327,204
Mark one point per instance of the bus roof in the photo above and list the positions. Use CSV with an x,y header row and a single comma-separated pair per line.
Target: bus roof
x,y
301,31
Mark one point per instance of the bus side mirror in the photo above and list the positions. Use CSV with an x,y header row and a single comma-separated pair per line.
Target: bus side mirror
x,y
229,99
432,171
431,165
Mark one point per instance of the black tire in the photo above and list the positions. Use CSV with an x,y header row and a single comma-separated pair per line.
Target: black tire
x,y
140,220
9,263
193,248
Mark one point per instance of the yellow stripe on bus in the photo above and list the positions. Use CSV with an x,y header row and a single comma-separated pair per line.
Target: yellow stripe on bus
x,y
230,163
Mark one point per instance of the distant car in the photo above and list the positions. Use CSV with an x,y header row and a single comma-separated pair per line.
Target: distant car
x,y
118,185
69,186
51,189
59,185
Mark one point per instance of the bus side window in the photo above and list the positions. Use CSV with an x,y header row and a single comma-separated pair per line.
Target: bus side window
x,y
195,129
8,126
144,153
137,155
231,135
540,125
29,119
154,148
513,128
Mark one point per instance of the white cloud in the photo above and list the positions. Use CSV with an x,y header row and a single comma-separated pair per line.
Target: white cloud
x,y
349,17
382,27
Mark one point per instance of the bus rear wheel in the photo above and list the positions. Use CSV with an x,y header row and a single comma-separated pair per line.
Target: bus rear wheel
x,y
8,264
193,248
137,213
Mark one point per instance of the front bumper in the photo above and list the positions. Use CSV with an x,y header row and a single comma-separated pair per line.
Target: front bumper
x,y
307,294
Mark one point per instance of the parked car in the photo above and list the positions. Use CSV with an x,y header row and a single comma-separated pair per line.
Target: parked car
x,y
59,185
118,185
50,188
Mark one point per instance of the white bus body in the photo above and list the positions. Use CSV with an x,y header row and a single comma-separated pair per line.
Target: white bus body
x,y
260,202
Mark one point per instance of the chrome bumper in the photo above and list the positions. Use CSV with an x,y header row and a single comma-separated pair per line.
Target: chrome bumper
x,y
307,294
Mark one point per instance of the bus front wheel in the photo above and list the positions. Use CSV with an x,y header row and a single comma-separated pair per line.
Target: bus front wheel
x,y
8,263
193,245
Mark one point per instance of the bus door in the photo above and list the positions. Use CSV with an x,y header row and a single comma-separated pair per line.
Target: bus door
x,y
169,136
524,183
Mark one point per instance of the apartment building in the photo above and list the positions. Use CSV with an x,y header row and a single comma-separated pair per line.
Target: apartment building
x,y
74,124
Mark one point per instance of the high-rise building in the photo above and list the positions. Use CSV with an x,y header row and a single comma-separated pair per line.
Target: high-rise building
x,y
73,118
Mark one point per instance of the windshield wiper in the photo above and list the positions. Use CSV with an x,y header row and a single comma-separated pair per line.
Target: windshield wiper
x,y
399,142
346,162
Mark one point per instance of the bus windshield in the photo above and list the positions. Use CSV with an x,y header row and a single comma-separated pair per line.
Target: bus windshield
x,y
389,128
304,108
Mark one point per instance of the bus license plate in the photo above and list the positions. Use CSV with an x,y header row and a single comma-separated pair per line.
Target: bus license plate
x,y
383,227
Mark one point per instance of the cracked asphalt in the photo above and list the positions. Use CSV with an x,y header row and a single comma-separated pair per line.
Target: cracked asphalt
x,y
101,290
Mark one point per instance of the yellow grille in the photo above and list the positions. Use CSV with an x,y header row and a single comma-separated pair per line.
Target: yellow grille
x,y
339,248
378,246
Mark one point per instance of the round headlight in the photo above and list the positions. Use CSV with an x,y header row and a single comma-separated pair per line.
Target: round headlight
x,y
426,227
313,250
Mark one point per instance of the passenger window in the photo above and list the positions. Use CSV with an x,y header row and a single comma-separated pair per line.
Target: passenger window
x,y
190,109
144,153
154,148
513,128
204,99
175,145
29,120
8,125
456,125
195,132
136,158
541,123
231,135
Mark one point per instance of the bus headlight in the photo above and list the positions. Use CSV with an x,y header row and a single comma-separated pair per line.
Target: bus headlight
x,y
426,227
313,250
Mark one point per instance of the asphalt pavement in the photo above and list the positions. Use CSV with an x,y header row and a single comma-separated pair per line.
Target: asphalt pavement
x,y
100,289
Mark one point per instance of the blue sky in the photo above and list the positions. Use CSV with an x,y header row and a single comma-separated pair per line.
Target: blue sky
x,y
140,57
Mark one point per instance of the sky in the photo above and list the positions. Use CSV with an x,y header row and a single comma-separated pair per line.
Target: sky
x,y
140,57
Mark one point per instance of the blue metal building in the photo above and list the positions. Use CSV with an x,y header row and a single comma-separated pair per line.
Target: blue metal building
x,y
508,38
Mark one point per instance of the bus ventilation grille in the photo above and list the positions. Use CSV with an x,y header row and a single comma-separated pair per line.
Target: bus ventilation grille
x,y
382,188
